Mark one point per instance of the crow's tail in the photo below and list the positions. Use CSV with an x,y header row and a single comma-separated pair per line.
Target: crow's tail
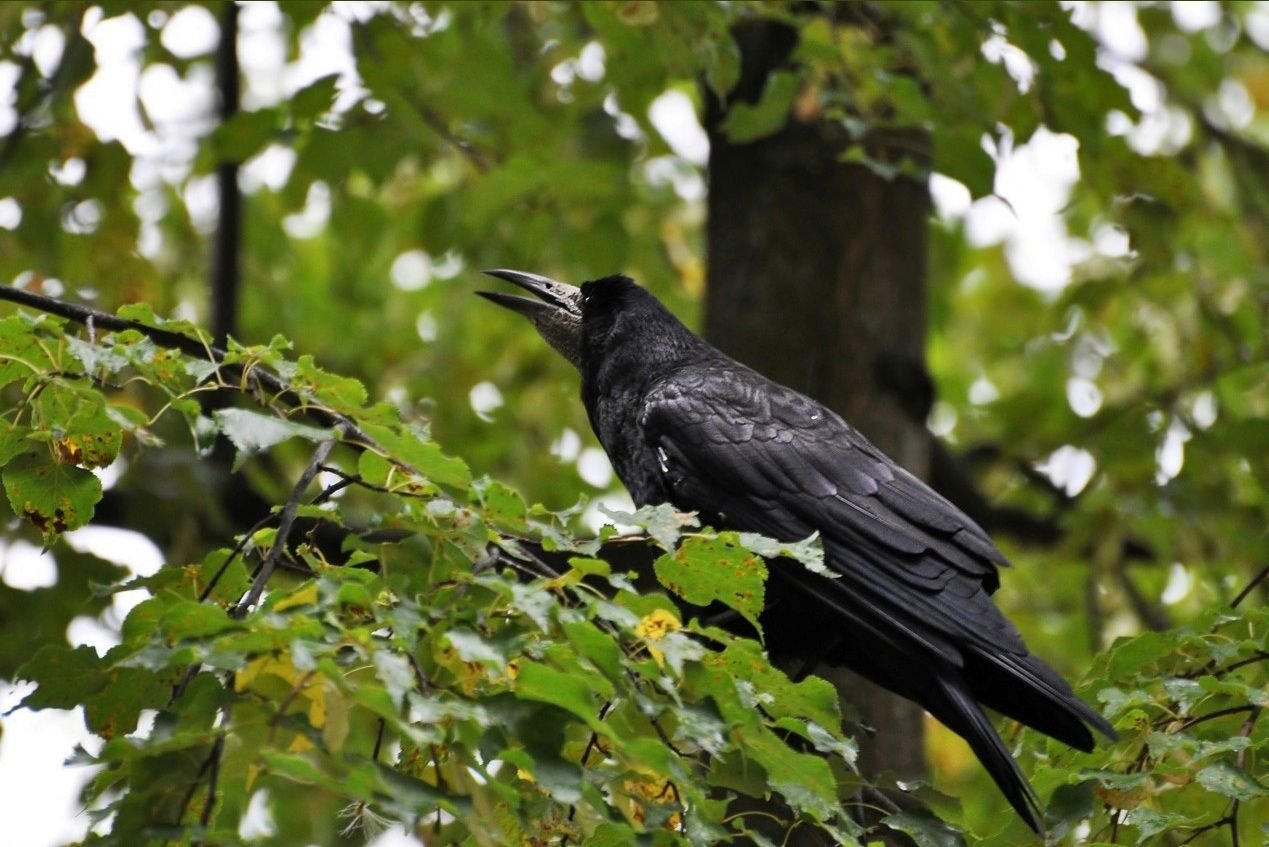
x,y
960,712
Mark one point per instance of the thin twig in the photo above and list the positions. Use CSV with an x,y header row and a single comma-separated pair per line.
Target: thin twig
x,y
212,779
1255,580
233,554
284,529
1219,713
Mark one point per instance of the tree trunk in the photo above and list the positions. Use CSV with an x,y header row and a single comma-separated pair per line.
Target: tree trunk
x,y
816,278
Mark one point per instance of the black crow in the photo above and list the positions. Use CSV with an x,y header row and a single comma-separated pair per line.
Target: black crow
x,y
910,607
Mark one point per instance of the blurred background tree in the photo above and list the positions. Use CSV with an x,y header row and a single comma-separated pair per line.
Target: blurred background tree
x,y
1078,316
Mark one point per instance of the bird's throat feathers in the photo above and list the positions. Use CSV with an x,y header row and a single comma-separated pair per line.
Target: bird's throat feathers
x,y
625,330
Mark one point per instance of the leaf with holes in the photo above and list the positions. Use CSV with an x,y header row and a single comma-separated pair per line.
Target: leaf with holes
x,y
706,569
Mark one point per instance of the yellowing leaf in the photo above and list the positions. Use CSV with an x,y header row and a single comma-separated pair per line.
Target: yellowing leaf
x,y
305,595
656,624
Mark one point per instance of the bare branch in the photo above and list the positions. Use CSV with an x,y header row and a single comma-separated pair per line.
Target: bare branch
x,y
284,528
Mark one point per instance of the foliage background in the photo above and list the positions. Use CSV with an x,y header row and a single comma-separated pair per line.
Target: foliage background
x,y
526,135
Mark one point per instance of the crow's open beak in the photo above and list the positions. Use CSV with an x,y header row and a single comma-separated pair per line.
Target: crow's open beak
x,y
551,294
556,313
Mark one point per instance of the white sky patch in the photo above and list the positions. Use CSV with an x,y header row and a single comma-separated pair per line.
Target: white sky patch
x,y
44,46
983,391
9,73
415,269
1235,103
1083,396
1033,184
183,109
110,474
270,168
941,420
191,32
568,446
590,62
1203,410
10,213
997,50
1194,15
107,102
484,398
1179,584
69,172
627,127
311,220
202,202
1170,455
594,468
674,115
257,821
411,271
82,218
951,198
683,176
124,547
1111,241
41,794
395,836
86,631
1119,31
1257,24
1069,468
426,326
25,567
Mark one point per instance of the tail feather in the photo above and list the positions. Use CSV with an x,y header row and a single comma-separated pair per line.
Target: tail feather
x,y
1034,694
961,713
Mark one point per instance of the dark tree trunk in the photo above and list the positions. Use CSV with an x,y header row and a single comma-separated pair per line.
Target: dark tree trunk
x,y
817,279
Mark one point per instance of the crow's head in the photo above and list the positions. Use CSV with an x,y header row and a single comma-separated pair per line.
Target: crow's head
x,y
556,314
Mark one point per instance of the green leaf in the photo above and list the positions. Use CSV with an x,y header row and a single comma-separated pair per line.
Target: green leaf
x,y
501,504
812,699
1151,822
55,498
191,619
809,551
412,449
805,780
663,522
340,393
21,355
924,829
245,134
545,684
66,677
314,99
84,434
959,154
1231,782
706,569
13,441
750,121
471,647
253,432
114,710
597,646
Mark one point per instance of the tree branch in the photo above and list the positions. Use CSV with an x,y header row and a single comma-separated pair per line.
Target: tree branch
x,y
284,529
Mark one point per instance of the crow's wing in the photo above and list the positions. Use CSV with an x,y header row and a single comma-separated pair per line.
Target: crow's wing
x,y
914,572
758,456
